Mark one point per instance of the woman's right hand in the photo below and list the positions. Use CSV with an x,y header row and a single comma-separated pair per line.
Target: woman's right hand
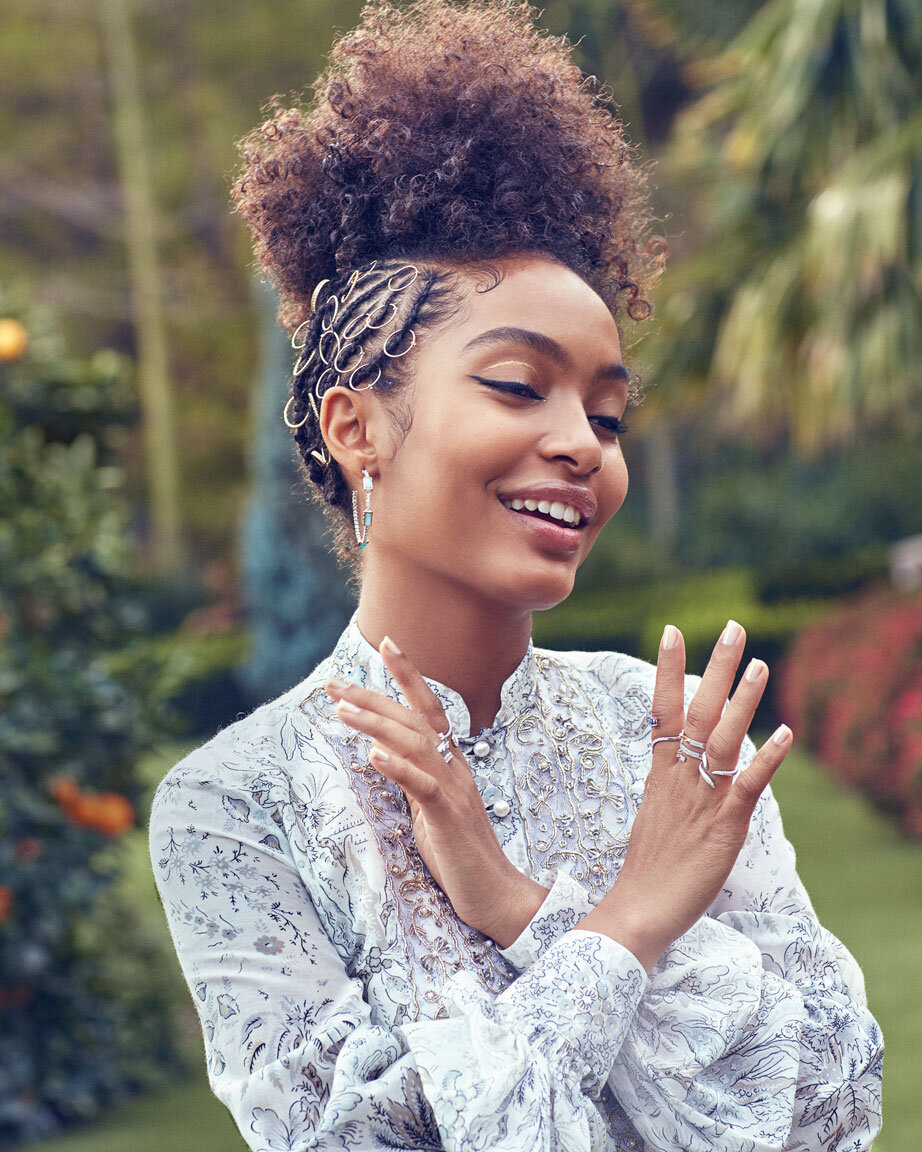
x,y
688,834
451,827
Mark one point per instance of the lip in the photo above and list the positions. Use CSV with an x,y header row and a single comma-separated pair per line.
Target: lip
x,y
550,537
581,499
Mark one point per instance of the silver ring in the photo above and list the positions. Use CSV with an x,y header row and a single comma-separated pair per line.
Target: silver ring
x,y
703,771
444,747
397,355
660,739
303,419
296,333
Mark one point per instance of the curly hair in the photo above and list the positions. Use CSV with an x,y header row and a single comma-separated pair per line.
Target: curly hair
x,y
449,135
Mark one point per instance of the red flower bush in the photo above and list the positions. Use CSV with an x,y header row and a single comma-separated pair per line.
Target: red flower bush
x,y
852,688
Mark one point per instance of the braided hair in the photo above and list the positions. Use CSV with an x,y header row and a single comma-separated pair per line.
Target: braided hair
x,y
447,136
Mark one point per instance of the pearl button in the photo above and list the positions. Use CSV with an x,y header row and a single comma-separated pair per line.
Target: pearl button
x,y
501,808
481,749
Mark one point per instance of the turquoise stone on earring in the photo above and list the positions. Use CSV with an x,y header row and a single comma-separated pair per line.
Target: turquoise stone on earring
x,y
361,535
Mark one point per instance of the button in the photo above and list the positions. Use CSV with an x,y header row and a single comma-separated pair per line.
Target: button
x,y
481,749
501,808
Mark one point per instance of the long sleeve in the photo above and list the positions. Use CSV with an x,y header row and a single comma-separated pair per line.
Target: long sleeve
x,y
296,1052
753,1032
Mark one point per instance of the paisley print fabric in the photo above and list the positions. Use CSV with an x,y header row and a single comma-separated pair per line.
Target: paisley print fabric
x,y
345,1006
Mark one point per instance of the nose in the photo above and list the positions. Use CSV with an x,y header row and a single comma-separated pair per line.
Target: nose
x,y
571,438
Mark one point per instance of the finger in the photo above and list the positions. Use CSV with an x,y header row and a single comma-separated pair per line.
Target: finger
x,y
708,702
394,735
752,781
371,701
668,693
725,741
417,692
419,786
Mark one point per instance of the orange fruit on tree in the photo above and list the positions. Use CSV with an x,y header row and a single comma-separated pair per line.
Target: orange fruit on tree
x,y
13,339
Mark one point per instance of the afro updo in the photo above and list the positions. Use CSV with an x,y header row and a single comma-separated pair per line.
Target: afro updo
x,y
452,133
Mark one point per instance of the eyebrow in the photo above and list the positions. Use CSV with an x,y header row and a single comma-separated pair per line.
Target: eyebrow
x,y
544,346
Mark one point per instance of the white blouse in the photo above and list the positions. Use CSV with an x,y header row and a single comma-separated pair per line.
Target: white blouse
x,y
345,1006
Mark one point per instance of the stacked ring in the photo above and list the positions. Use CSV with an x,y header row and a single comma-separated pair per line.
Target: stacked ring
x,y
444,745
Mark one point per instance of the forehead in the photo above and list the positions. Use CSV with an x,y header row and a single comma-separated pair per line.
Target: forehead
x,y
541,296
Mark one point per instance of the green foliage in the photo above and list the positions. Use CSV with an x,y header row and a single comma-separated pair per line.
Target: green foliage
x,y
80,699
802,295
631,619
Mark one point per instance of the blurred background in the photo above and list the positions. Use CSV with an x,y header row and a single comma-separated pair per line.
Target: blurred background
x,y
162,571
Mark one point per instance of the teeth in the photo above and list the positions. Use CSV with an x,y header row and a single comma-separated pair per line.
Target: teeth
x,y
555,508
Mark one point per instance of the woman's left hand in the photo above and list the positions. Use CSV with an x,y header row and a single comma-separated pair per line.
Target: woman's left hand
x,y
450,824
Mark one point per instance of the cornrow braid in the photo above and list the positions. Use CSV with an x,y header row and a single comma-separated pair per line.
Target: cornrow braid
x,y
357,337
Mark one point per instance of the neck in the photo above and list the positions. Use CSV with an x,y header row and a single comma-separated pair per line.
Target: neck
x,y
469,645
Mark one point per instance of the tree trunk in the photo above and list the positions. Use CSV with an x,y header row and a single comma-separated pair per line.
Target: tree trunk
x,y
663,484
157,404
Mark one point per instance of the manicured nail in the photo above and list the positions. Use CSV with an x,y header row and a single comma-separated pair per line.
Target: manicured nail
x,y
670,637
754,671
731,633
782,734
348,707
380,755
391,647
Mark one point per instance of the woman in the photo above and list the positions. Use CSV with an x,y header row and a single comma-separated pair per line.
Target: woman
x,y
417,898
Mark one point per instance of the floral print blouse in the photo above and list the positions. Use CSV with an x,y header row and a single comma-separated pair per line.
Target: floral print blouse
x,y
345,1006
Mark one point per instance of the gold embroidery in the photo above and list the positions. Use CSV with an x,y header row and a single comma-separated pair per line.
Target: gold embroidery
x,y
439,944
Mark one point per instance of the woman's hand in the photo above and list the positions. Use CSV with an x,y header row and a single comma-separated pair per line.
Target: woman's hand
x,y
450,824
688,832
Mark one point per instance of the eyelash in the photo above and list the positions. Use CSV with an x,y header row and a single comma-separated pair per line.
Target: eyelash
x,y
608,423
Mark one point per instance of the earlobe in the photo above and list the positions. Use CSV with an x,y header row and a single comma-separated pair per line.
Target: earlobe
x,y
344,422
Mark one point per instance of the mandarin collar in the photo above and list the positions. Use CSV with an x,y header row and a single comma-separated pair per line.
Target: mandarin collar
x,y
357,661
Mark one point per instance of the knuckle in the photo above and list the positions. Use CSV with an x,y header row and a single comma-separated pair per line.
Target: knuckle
x,y
721,747
698,717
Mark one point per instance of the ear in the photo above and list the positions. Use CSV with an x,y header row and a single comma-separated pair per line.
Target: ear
x,y
349,423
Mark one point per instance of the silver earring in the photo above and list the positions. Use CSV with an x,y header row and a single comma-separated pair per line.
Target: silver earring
x,y
361,535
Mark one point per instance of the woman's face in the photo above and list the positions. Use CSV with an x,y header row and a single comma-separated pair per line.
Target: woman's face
x,y
515,406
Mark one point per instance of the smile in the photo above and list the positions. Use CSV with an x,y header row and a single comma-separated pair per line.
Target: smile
x,y
552,509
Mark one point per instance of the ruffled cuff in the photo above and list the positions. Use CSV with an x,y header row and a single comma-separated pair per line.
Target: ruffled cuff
x,y
579,1001
531,1055
712,1054
564,907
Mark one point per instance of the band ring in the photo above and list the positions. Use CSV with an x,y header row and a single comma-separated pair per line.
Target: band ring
x,y
444,746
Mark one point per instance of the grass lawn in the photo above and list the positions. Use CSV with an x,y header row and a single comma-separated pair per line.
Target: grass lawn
x,y
866,883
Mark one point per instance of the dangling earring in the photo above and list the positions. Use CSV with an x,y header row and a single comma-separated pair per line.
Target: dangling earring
x,y
362,536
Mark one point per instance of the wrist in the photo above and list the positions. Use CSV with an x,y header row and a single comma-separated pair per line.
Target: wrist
x,y
522,900
632,931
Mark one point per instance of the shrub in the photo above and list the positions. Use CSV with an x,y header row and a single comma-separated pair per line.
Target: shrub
x,y
80,699
852,687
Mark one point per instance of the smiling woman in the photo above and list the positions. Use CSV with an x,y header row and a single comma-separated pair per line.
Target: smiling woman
x,y
417,898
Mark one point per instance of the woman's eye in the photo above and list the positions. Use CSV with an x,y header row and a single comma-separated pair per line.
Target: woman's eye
x,y
512,387
610,424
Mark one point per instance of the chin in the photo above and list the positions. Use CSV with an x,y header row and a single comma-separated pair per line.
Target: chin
x,y
539,591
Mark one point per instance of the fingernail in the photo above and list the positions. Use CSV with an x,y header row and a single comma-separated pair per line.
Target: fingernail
x,y
389,644
782,734
731,633
336,684
754,671
347,706
380,755
670,637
